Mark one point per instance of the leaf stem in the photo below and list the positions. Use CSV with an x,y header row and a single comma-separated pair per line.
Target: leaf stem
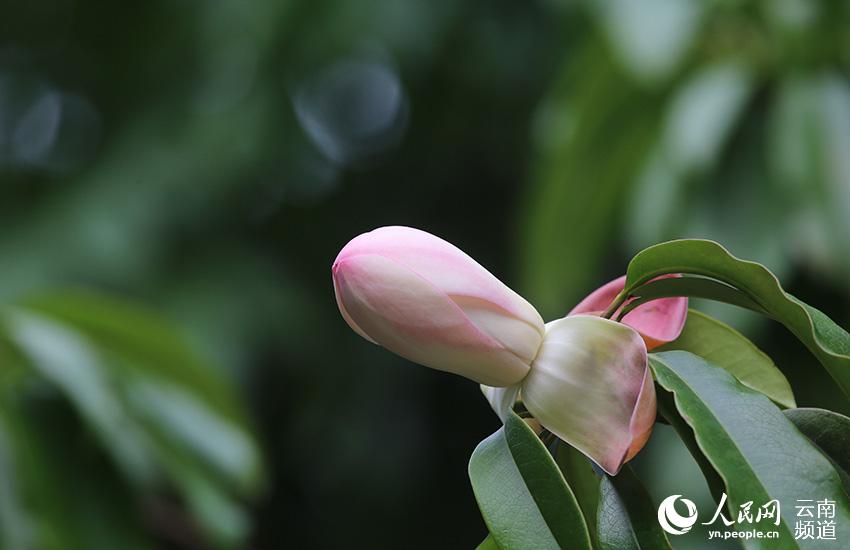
x,y
615,305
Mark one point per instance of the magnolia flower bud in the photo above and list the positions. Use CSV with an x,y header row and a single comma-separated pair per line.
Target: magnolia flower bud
x,y
590,385
424,299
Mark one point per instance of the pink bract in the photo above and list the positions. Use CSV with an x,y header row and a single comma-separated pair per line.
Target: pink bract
x,y
658,322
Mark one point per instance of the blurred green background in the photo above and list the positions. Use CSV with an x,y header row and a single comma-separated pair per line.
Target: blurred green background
x,y
177,178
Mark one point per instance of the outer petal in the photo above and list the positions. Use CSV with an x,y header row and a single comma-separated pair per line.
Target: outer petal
x,y
426,300
599,300
643,417
408,315
590,385
658,322
451,270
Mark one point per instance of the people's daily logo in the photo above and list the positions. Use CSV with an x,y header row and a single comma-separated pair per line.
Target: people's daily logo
x,y
673,522
815,519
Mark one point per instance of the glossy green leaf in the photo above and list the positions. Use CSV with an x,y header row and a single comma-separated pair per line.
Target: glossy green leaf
x,y
759,460
694,287
828,430
725,347
826,340
627,515
667,410
584,479
522,495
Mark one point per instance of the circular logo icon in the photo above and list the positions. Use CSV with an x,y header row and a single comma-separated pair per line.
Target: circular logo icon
x,y
671,521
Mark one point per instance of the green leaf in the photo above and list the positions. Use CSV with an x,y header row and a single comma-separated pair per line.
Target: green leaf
x,y
830,431
725,347
69,499
524,499
182,420
488,544
703,113
583,478
650,38
695,287
68,361
151,345
833,185
35,482
826,340
168,387
156,406
627,519
759,460
667,410
15,519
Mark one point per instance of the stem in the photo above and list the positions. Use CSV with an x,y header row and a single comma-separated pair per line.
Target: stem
x,y
615,305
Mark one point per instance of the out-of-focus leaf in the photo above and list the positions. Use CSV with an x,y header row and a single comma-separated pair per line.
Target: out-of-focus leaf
x,y
650,36
67,360
834,163
132,378
826,340
15,523
106,223
703,113
58,491
736,203
100,507
656,194
184,420
699,119
725,347
221,517
627,518
830,431
576,198
793,128
794,143
808,139
150,345
37,489
522,495
751,456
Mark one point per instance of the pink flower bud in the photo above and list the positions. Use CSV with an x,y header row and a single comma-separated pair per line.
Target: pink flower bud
x,y
424,299
590,385
658,322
